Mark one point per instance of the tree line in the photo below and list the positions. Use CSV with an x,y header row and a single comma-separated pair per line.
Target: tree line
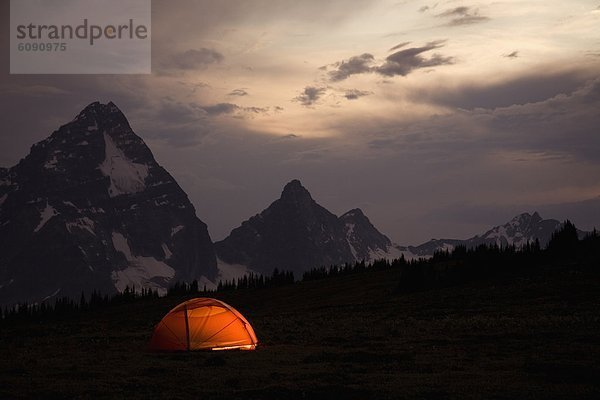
x,y
445,268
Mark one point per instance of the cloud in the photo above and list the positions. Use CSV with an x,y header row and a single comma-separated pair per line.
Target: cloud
x,y
563,125
255,110
399,46
533,87
458,11
171,121
463,16
423,9
354,65
238,92
401,62
354,94
230,108
220,108
559,130
405,61
310,95
194,59
172,110
514,54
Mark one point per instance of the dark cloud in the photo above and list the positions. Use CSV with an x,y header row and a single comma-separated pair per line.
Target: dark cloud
x,y
230,108
220,108
534,87
458,11
514,54
423,9
310,95
170,121
256,110
399,63
176,111
238,92
559,130
399,46
562,126
405,61
463,16
194,59
354,94
354,65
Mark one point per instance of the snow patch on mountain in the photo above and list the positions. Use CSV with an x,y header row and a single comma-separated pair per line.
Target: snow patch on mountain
x,y
126,176
393,252
176,229
167,251
84,223
46,215
350,239
57,291
449,247
141,272
516,232
228,272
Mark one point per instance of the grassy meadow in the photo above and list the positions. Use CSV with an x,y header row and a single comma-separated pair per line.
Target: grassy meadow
x,y
348,337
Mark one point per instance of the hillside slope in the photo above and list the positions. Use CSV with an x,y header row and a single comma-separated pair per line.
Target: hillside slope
x,y
350,337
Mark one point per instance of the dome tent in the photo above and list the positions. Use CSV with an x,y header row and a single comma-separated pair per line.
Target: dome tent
x,y
203,324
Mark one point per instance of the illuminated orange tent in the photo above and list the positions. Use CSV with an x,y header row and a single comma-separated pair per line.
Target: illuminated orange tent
x,y
203,324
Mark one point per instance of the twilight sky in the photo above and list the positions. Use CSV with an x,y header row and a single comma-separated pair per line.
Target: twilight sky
x,y
437,118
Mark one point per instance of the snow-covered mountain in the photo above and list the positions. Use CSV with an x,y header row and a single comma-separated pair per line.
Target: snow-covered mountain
x,y
90,208
296,234
366,242
520,230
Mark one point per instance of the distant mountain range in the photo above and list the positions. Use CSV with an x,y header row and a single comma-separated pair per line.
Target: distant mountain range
x,y
295,233
90,209
520,230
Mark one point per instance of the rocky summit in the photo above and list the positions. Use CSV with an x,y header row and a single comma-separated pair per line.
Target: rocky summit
x,y
296,234
90,209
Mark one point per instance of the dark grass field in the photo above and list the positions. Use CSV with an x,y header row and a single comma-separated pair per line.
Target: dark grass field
x,y
350,337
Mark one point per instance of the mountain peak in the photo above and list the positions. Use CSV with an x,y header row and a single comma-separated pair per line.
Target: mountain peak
x,y
93,191
528,218
97,110
295,190
356,213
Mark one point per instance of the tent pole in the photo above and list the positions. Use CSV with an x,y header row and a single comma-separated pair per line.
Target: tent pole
x,y
187,327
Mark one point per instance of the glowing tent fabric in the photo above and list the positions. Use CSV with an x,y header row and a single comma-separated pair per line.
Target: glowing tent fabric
x,y
203,324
